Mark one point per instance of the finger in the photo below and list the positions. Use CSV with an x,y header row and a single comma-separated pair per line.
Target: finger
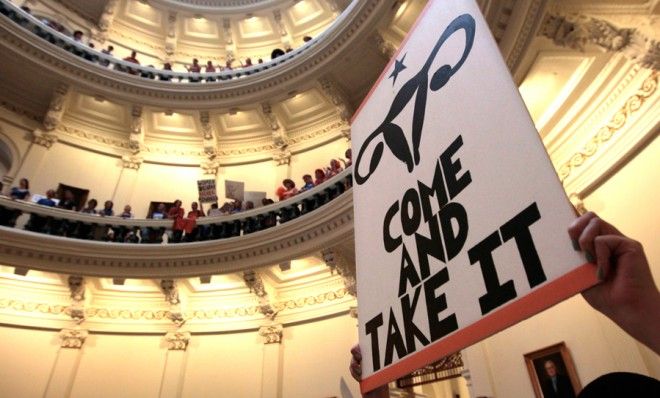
x,y
576,228
356,352
595,227
604,247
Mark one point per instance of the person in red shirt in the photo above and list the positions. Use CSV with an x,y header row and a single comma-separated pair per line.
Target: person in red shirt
x,y
210,69
194,68
132,59
176,213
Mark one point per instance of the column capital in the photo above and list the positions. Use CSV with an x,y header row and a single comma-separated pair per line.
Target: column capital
x,y
43,138
73,338
272,334
177,341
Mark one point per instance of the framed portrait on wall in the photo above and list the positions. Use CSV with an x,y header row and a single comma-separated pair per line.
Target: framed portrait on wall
x,y
552,372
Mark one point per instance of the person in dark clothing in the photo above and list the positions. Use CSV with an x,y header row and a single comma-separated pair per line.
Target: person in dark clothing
x,y
556,385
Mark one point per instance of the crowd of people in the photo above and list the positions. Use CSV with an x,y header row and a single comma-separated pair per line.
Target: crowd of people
x,y
184,224
194,68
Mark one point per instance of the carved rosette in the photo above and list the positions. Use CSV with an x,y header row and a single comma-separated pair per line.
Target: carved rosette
x,y
272,334
131,162
43,138
73,338
177,341
282,157
210,167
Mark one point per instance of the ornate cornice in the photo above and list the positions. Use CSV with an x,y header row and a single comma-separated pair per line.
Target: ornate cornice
x,y
299,71
606,132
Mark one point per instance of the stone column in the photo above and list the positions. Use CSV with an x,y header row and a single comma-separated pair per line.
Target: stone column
x,y
66,363
175,364
338,98
136,136
271,372
281,153
284,34
230,47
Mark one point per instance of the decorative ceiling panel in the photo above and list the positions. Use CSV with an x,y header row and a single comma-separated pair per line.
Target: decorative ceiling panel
x,y
306,12
552,78
304,108
241,122
255,27
175,126
98,111
200,28
143,15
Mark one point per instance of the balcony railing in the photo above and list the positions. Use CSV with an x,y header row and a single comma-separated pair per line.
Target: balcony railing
x,y
39,28
60,222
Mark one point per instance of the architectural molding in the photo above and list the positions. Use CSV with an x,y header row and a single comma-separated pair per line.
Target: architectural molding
x,y
43,138
272,334
607,131
341,266
73,338
131,162
577,31
55,111
177,341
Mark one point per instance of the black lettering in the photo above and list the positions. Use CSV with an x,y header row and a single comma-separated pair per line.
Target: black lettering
x,y
432,247
436,189
450,169
518,229
371,328
390,243
411,330
408,272
436,304
410,222
496,294
453,241
394,341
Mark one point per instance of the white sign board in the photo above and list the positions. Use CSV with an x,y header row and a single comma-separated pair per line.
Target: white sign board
x,y
460,219
234,190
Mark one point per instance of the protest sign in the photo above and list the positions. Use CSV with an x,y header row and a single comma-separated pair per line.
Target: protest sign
x,y
234,190
207,191
460,219
255,197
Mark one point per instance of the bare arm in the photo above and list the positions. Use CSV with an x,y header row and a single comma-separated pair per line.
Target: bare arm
x,y
627,294
356,372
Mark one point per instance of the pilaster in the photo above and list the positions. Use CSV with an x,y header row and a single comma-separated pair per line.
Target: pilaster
x,y
271,373
66,363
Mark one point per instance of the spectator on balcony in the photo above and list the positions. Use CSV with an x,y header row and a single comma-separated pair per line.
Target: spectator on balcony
x,y
108,52
334,169
191,228
132,59
22,191
127,212
176,214
278,52
68,201
165,77
309,184
107,209
236,207
210,69
260,61
228,65
194,68
48,200
290,189
247,64
160,212
349,161
90,208
90,56
320,176
78,36
267,201
214,210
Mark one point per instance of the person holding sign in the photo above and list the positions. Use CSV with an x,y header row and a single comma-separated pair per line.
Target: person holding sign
x,y
627,293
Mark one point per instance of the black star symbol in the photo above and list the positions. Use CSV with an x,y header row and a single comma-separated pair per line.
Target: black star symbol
x,y
398,67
